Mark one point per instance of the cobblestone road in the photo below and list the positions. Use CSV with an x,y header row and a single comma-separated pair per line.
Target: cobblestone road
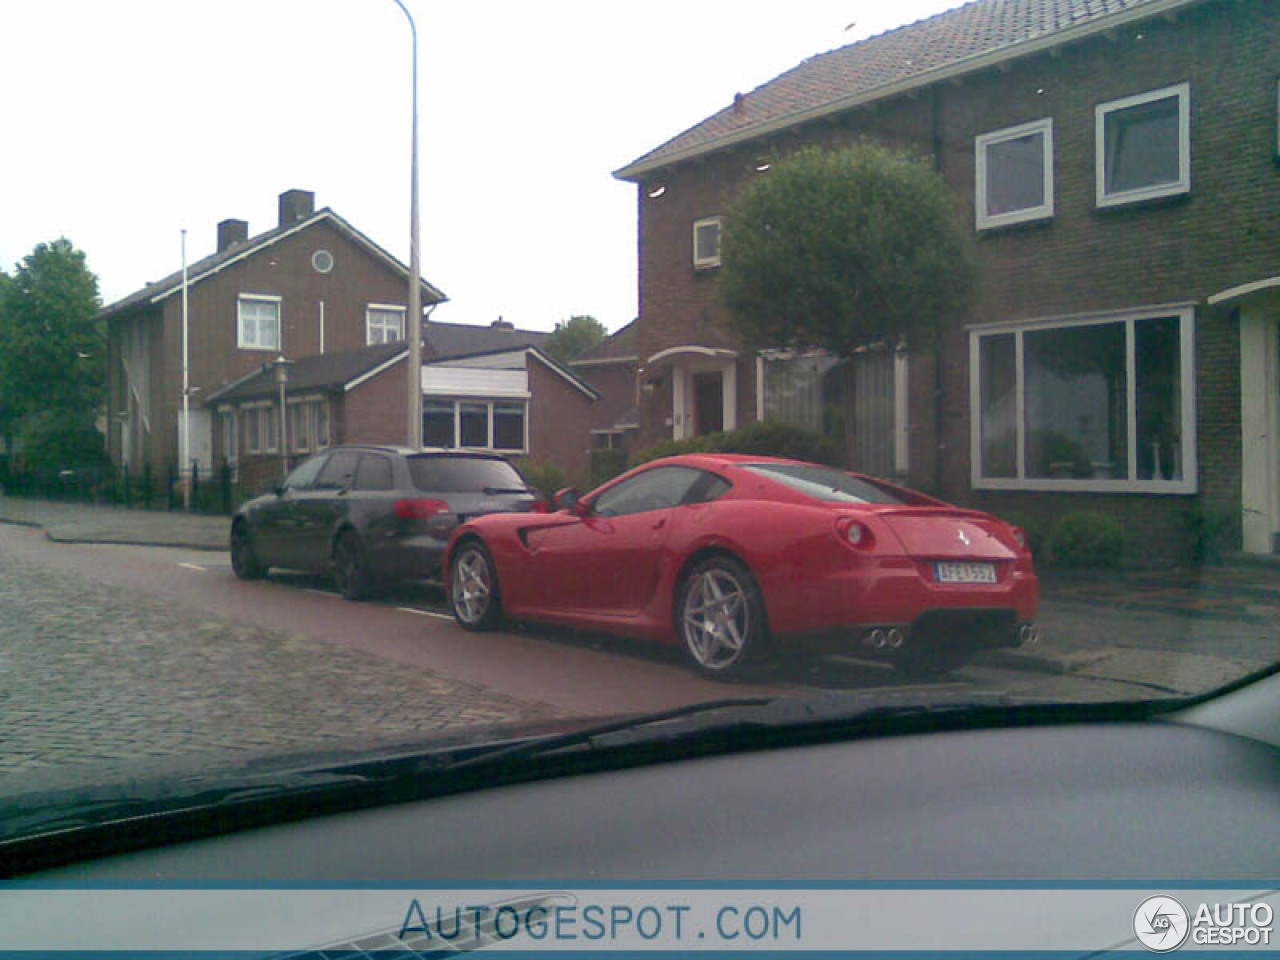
x,y
92,676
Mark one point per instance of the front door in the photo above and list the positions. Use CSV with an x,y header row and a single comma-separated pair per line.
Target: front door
x,y
708,403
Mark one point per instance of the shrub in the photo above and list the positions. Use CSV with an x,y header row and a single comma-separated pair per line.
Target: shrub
x,y
1211,532
545,478
1086,539
1036,529
606,464
769,438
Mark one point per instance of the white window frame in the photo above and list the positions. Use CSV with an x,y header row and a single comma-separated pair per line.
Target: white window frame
x,y
253,438
982,144
245,344
1182,185
703,261
229,423
1187,484
369,309
309,408
489,404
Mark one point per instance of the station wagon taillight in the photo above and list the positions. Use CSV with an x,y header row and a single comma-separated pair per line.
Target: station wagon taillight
x,y
420,509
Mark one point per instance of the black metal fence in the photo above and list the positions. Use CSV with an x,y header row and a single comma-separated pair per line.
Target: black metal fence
x,y
212,492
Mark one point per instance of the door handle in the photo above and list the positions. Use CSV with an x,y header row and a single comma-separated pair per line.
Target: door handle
x,y
658,525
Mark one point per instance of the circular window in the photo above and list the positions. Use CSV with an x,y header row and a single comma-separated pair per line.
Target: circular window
x,y
322,260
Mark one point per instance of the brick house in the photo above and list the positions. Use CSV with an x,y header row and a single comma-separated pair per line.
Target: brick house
x,y
312,285
317,292
1118,163
509,398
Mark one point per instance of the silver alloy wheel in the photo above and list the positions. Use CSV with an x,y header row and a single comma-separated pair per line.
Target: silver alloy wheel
x,y
715,618
472,587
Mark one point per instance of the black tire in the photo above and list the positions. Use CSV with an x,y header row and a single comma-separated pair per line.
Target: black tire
x,y
350,569
721,620
474,594
244,559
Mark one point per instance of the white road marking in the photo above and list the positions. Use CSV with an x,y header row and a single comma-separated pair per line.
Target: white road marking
x,y
192,566
426,613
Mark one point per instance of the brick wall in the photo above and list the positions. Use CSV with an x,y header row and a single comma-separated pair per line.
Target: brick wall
x,y
1182,249
374,411
560,417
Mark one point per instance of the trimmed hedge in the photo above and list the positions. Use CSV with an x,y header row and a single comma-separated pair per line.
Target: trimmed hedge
x,y
768,438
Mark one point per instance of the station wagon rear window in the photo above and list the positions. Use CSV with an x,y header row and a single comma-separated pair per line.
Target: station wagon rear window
x,y
448,473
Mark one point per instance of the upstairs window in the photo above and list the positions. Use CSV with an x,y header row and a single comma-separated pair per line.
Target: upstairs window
x,y
1014,175
1144,146
384,324
706,243
258,322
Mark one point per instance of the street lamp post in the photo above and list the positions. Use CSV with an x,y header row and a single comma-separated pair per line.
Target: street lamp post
x,y
281,367
414,333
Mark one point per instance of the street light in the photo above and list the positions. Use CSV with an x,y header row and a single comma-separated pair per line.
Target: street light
x,y
281,367
414,373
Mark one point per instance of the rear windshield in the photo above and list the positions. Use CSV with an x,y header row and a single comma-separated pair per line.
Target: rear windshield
x,y
823,483
445,473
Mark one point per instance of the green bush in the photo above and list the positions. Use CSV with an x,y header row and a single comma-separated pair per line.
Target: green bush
x,y
606,463
545,478
1035,527
1086,539
1211,532
769,438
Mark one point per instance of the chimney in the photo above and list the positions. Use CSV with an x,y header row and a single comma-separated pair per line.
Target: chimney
x,y
296,205
231,232
501,324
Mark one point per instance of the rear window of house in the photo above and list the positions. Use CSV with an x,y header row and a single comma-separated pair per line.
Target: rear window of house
x,y
823,483
450,474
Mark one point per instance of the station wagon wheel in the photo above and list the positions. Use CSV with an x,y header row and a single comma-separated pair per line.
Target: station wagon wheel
x,y
350,572
473,587
244,561
720,618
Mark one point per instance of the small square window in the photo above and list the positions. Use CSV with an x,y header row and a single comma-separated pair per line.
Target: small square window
x,y
1144,146
258,321
384,324
1014,175
706,243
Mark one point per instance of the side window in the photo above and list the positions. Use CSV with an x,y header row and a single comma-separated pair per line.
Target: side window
x,y
708,487
655,489
374,473
339,472
303,477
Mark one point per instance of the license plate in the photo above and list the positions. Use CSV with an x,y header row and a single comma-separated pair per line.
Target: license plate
x,y
965,572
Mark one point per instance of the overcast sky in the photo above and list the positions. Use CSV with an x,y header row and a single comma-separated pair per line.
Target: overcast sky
x,y
126,121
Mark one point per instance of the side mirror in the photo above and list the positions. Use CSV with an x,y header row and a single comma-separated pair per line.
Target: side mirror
x,y
568,499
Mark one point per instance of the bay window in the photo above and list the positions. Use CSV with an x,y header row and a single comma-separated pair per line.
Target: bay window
x,y
1099,403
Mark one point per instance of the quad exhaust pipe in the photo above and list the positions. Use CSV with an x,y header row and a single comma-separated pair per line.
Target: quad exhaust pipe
x,y
880,638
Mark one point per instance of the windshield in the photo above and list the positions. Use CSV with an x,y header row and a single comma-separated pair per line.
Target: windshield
x,y
287,397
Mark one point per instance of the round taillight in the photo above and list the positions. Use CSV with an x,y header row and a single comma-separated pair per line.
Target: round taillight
x,y
1020,538
854,532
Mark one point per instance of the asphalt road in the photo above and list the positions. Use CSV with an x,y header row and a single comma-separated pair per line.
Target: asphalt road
x,y
108,652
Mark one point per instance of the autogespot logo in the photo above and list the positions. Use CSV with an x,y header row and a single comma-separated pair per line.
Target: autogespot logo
x,y
1161,924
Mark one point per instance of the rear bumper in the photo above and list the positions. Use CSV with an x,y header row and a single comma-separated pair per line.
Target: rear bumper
x,y
413,557
845,608
952,631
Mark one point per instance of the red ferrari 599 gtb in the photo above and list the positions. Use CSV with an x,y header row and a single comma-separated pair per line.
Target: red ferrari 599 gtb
x,y
740,558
